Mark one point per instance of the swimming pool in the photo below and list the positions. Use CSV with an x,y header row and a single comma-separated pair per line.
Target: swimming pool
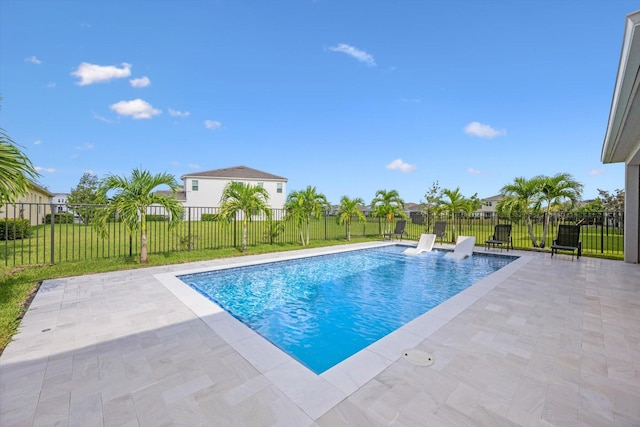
x,y
321,310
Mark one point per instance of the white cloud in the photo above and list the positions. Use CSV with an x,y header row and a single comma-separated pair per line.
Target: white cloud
x,y
174,163
89,171
356,53
411,100
483,131
193,166
33,60
176,113
51,85
85,146
141,82
596,172
91,73
473,171
398,164
37,142
48,170
99,117
137,108
212,124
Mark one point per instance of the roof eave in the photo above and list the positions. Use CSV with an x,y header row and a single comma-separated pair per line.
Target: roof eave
x,y
615,147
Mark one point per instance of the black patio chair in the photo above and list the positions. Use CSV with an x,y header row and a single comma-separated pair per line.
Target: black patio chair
x,y
501,236
440,230
568,240
399,230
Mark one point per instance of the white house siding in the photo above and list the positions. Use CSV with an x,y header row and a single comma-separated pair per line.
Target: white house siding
x,y
622,140
206,199
59,200
210,191
488,208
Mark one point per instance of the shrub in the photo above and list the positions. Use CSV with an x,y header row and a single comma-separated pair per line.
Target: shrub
x,y
59,218
153,217
272,230
186,242
14,229
211,217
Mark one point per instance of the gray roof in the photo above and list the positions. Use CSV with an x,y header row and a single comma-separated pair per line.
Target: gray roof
x,y
40,188
236,172
180,195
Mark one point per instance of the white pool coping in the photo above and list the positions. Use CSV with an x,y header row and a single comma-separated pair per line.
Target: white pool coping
x,y
316,394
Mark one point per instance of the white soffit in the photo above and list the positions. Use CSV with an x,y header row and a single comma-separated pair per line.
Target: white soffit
x,y
622,140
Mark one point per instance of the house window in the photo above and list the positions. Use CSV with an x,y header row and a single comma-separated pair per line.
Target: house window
x,y
487,204
194,185
279,188
261,184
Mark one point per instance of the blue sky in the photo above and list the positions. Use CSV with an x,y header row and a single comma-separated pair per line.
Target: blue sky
x,y
347,96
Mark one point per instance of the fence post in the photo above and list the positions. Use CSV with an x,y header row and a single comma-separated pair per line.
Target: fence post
x,y
325,227
53,243
604,218
235,241
271,228
189,228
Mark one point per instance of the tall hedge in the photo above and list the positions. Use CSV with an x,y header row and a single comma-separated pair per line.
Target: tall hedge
x,y
14,229
59,218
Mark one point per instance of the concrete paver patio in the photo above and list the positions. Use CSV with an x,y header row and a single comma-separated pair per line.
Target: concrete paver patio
x,y
547,341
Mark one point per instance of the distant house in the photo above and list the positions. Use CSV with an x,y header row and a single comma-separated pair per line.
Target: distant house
x,y
31,205
59,201
488,208
204,189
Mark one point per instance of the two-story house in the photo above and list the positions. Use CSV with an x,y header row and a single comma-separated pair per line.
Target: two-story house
x,y
488,208
204,189
59,200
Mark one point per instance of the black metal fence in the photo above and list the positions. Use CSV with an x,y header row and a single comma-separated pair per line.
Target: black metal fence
x,y
33,234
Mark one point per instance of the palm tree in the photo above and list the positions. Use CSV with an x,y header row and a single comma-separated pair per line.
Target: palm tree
x,y
348,209
248,200
554,190
133,196
387,204
521,197
15,170
302,205
453,203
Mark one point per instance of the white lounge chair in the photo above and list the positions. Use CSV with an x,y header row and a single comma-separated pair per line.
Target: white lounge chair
x,y
464,248
425,244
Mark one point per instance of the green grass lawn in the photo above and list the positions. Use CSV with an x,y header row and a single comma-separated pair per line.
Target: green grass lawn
x,y
18,284
79,250
77,242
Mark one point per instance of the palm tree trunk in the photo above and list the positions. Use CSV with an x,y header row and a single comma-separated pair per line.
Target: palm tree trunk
x,y
308,230
348,232
300,227
245,232
453,229
531,235
545,229
143,242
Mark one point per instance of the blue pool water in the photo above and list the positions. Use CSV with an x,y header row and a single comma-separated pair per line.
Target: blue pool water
x,y
323,309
